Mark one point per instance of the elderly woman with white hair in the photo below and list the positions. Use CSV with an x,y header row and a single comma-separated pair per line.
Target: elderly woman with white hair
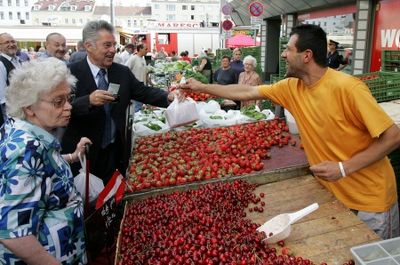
x,y
249,77
41,220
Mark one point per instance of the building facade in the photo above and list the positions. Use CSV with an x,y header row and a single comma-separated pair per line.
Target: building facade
x,y
15,12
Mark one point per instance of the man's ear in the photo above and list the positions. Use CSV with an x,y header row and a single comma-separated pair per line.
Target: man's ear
x,y
308,54
88,45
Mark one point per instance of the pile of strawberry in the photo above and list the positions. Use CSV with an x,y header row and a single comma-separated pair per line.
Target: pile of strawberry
x,y
204,226
197,96
202,154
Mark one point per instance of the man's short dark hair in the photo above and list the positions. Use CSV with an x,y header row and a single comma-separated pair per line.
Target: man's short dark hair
x,y
130,46
226,57
311,37
139,47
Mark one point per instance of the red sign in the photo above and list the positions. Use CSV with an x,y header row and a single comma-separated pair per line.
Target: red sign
x,y
256,9
386,31
227,25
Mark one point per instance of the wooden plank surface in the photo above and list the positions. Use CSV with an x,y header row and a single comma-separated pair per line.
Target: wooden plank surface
x,y
327,234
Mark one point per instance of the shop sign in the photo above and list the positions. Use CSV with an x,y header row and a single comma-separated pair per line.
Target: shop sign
x,y
170,25
249,32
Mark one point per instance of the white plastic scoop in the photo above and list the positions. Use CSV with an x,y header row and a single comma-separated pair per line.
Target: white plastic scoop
x,y
278,228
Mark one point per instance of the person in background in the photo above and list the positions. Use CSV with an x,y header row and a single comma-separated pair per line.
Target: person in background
x,y
41,210
162,54
8,62
237,63
346,135
174,56
100,114
205,67
78,55
32,53
335,60
137,64
127,53
225,75
23,55
56,46
185,57
249,77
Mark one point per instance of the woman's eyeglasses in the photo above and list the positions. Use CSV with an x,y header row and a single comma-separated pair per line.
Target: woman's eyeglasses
x,y
60,101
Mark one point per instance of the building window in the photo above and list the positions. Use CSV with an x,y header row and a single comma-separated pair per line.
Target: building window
x,y
170,7
81,21
1,15
191,7
171,17
26,3
1,2
10,15
192,17
141,23
73,8
51,7
74,21
129,23
18,15
156,6
17,2
66,21
134,23
36,7
9,3
88,8
184,7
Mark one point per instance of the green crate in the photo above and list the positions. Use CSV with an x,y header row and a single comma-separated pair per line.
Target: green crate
x,y
384,86
391,61
273,78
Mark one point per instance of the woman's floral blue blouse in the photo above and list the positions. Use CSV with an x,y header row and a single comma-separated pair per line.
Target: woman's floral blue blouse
x,y
37,194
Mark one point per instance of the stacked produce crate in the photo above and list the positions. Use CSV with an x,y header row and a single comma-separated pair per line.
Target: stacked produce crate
x,y
391,61
384,86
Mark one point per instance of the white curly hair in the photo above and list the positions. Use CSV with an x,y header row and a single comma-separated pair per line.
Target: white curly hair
x,y
32,79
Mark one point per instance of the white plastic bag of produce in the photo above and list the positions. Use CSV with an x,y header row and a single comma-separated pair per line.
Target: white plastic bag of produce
x,y
210,107
149,127
95,184
181,113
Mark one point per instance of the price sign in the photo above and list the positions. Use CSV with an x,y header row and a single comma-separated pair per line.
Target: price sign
x,y
256,9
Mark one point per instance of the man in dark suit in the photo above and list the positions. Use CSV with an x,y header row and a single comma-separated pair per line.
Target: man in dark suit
x,y
96,113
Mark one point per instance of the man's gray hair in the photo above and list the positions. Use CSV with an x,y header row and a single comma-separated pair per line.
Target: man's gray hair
x,y
32,79
251,60
91,29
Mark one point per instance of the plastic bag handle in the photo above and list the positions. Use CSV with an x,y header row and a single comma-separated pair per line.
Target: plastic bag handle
x,y
82,160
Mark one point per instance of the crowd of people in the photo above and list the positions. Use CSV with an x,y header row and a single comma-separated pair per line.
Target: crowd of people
x,y
52,106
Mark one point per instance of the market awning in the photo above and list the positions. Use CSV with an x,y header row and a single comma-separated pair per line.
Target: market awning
x,y
240,40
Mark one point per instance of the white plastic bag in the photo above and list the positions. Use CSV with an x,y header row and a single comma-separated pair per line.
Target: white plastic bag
x,y
95,184
181,113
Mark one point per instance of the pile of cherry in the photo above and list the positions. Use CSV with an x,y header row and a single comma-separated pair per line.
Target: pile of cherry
x,y
203,226
201,154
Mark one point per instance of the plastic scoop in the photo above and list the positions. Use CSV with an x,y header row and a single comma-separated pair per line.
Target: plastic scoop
x,y
278,228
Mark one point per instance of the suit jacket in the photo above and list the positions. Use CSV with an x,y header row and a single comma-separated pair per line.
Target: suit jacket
x,y
88,121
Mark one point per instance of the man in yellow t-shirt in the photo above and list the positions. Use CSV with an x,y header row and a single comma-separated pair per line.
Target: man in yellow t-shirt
x,y
346,135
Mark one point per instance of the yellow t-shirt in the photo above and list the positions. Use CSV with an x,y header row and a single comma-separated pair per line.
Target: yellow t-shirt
x,y
338,117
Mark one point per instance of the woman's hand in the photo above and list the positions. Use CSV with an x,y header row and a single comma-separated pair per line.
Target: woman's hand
x,y
80,148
